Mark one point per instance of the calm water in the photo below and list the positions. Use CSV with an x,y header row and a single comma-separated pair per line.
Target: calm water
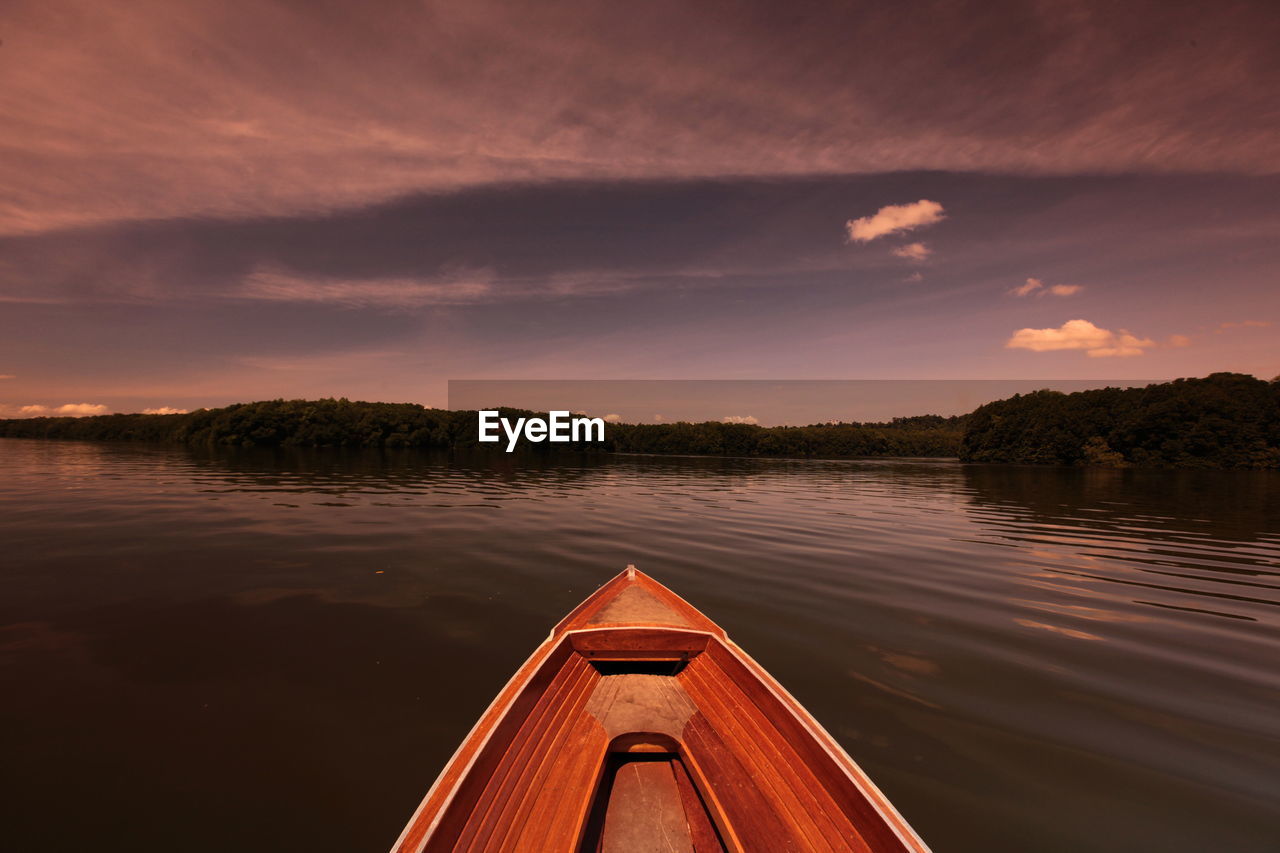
x,y
263,652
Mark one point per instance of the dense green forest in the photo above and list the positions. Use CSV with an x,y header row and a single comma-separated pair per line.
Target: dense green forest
x,y
928,435
269,423
1224,420
343,423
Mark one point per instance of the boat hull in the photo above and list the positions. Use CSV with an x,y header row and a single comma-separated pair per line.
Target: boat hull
x,y
640,725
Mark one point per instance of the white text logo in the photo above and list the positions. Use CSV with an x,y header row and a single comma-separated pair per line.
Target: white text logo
x,y
558,426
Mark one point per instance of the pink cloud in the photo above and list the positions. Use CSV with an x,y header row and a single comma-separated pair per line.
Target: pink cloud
x,y
1080,335
1036,286
74,410
282,286
1243,324
912,252
894,218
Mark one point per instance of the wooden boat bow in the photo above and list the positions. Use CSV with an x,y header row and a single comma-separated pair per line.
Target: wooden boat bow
x,y
639,725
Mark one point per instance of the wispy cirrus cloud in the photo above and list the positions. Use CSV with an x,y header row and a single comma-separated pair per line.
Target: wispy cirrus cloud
x,y
1039,288
283,286
1081,335
457,286
150,109
1243,324
912,252
893,219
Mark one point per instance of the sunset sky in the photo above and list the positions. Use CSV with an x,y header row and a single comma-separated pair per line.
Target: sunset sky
x,y
208,202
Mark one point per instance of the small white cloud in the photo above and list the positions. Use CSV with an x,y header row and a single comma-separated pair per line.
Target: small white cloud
x,y
1032,285
1179,341
912,251
613,418
1036,286
74,410
659,418
1073,334
164,410
82,409
894,218
738,419
915,276
1125,345
1080,335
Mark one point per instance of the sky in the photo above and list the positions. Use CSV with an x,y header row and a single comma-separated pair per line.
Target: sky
x,y
210,202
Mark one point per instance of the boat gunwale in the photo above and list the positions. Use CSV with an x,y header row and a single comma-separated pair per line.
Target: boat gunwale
x,y
512,690
842,759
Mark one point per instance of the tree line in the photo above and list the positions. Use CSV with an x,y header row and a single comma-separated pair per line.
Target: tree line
x,y
1224,420
346,423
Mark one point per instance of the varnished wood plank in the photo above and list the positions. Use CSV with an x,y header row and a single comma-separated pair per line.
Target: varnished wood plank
x,y
772,766
563,801
702,830
751,815
759,732
539,772
583,615
640,703
508,778
624,643
450,799
645,812
858,798
795,790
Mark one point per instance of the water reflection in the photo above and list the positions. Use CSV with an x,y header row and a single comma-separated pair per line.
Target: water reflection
x,y
283,647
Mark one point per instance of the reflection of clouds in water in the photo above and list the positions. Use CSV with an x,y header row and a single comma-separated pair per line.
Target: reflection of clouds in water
x,y
1201,541
936,606
901,672
909,663
893,691
1057,629
1080,611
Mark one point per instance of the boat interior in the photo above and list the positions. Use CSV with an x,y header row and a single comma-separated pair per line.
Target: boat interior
x,y
639,726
